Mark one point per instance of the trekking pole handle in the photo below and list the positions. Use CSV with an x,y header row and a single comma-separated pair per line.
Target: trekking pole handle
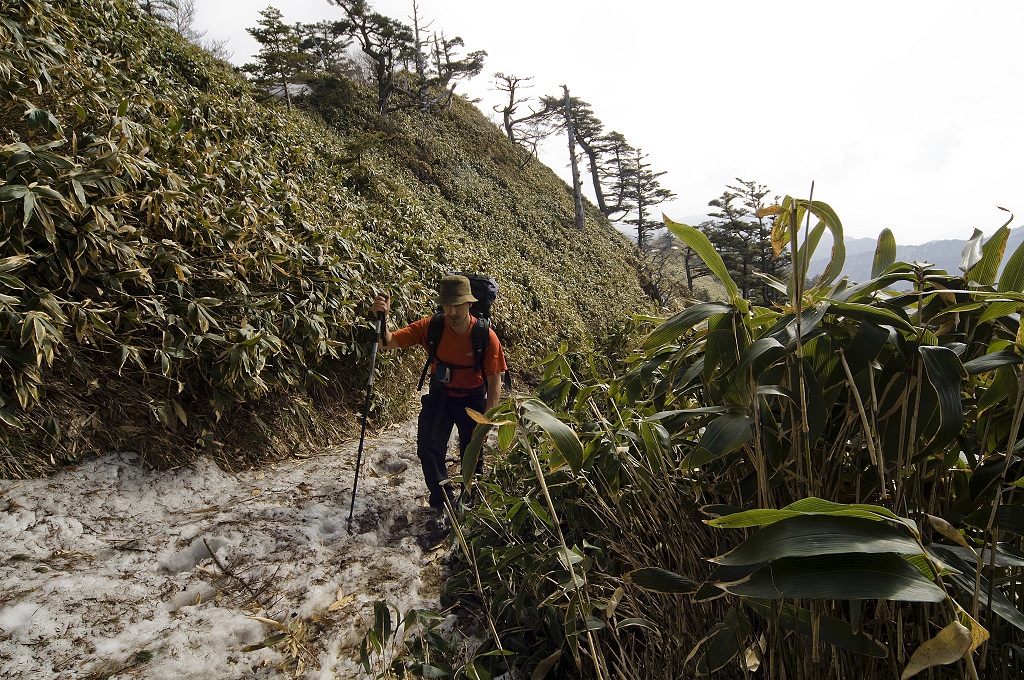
x,y
373,349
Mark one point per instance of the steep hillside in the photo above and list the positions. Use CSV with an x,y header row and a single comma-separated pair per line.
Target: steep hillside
x,y
188,269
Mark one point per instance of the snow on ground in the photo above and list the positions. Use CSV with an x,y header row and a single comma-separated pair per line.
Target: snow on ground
x,y
112,570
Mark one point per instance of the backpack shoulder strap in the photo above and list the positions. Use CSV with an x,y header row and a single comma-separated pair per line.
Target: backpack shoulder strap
x,y
434,332
481,340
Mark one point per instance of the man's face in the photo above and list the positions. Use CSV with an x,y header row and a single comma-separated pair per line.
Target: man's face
x,y
458,315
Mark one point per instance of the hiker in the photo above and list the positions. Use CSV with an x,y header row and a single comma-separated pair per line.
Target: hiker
x,y
459,379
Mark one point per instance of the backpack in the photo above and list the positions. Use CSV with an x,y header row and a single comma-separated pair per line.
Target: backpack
x,y
485,290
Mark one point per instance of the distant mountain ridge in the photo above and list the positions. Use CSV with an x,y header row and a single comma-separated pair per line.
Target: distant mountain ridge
x,y
860,253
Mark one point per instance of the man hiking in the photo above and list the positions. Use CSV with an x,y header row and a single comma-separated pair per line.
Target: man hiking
x,y
461,376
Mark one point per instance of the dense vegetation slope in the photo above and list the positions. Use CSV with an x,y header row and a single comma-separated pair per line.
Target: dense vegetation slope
x,y
186,268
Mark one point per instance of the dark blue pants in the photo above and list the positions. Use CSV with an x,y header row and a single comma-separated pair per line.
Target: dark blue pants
x,y
440,413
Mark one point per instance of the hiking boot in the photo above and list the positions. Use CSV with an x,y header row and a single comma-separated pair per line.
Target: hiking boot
x,y
438,524
436,531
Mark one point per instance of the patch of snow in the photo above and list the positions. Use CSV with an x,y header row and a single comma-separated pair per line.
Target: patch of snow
x,y
109,569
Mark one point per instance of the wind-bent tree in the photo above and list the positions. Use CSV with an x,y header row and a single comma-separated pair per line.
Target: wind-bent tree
x,y
528,130
383,40
420,56
589,134
577,193
279,61
448,70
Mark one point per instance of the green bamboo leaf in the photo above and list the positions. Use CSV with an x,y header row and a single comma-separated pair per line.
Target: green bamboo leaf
x,y
885,253
992,255
961,307
828,219
656,443
12,192
945,374
820,505
661,580
724,434
998,309
992,361
41,118
804,253
267,642
10,420
563,438
761,354
1012,278
671,330
726,643
808,535
700,244
881,316
430,671
506,435
999,603
850,576
1003,558
1002,388
831,630
751,518
472,454
382,619
865,346
761,517
866,290
1008,518
9,265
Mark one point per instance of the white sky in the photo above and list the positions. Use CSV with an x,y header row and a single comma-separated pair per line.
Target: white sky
x,y
905,114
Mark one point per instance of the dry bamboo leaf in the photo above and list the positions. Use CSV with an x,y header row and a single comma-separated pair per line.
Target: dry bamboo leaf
x,y
270,622
484,420
545,666
951,643
755,653
947,530
613,601
978,632
768,211
341,602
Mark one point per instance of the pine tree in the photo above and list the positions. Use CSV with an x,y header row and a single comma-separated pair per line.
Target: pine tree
x,y
279,61
386,42
327,43
616,171
642,191
744,239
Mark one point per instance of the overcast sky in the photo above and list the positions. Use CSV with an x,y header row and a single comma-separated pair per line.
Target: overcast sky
x,y
904,113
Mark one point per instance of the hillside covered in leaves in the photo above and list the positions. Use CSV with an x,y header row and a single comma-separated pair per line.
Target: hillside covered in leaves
x,y
186,268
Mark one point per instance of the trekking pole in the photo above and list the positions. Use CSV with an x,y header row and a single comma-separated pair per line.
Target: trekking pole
x,y
366,413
